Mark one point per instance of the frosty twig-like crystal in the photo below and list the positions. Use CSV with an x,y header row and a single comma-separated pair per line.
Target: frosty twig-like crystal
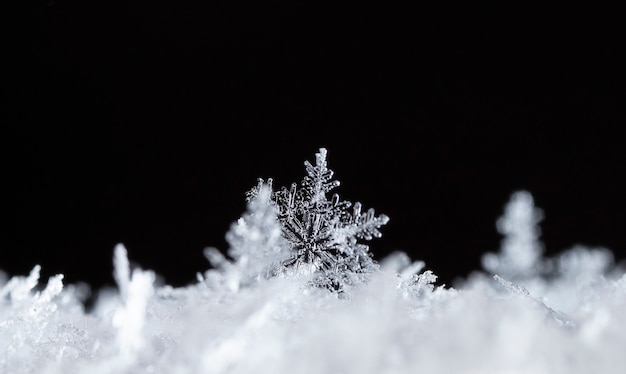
x,y
521,252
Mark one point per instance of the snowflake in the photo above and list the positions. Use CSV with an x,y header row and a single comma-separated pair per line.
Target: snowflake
x,y
325,235
521,252
257,248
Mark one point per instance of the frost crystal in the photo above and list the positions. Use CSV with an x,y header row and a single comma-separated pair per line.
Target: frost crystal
x,y
324,235
25,323
135,291
521,250
256,246
516,289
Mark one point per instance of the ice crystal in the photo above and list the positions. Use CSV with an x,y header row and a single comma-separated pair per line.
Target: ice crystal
x,y
256,247
411,281
521,249
518,290
581,264
324,235
135,289
27,321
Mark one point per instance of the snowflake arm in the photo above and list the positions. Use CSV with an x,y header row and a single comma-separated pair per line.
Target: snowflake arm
x,y
319,179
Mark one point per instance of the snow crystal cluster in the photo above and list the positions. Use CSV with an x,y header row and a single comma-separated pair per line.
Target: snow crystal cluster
x,y
298,291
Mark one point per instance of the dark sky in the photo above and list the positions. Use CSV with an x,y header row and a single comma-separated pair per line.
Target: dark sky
x,y
146,122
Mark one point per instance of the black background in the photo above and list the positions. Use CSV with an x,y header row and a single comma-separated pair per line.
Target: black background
x,y
145,123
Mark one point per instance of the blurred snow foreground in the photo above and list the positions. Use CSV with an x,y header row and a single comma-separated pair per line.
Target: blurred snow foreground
x,y
299,292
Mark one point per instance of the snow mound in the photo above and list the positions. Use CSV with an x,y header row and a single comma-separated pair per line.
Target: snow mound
x,y
298,292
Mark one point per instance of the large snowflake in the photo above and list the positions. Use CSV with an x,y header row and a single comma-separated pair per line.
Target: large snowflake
x,y
325,235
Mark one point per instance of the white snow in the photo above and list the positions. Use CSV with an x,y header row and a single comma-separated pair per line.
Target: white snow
x,y
392,324
537,315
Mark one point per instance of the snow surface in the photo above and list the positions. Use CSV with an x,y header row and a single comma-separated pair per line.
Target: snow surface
x,y
523,313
